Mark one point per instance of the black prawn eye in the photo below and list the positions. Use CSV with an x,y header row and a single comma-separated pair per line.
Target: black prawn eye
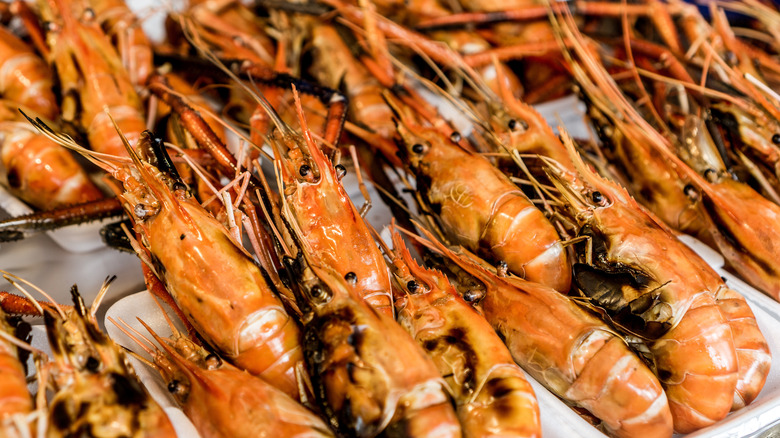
x,y
597,197
213,361
340,171
92,364
710,175
776,139
455,137
418,148
304,170
174,386
690,192
514,124
413,286
473,295
502,268
351,277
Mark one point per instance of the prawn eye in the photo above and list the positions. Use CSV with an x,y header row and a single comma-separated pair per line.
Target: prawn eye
x,y
351,277
502,269
776,139
515,124
319,294
304,170
92,364
455,137
710,175
473,295
690,192
213,361
176,387
597,197
418,148
340,171
413,286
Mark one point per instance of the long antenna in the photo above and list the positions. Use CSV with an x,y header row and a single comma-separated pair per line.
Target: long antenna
x,y
9,277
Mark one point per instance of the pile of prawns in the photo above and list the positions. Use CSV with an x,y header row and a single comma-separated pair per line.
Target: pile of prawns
x,y
300,318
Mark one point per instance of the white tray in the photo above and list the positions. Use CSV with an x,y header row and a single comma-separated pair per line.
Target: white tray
x,y
77,238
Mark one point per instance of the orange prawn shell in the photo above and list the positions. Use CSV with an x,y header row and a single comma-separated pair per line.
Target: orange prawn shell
x,y
90,68
41,172
14,396
364,90
372,368
572,352
221,291
132,42
698,346
727,204
24,77
245,396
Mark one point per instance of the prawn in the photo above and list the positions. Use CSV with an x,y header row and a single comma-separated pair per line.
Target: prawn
x,y
368,374
220,399
714,209
15,399
478,206
96,390
363,90
124,29
570,351
236,311
492,395
654,287
92,78
318,207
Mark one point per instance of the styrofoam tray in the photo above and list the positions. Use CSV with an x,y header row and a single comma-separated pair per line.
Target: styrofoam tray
x,y
74,238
